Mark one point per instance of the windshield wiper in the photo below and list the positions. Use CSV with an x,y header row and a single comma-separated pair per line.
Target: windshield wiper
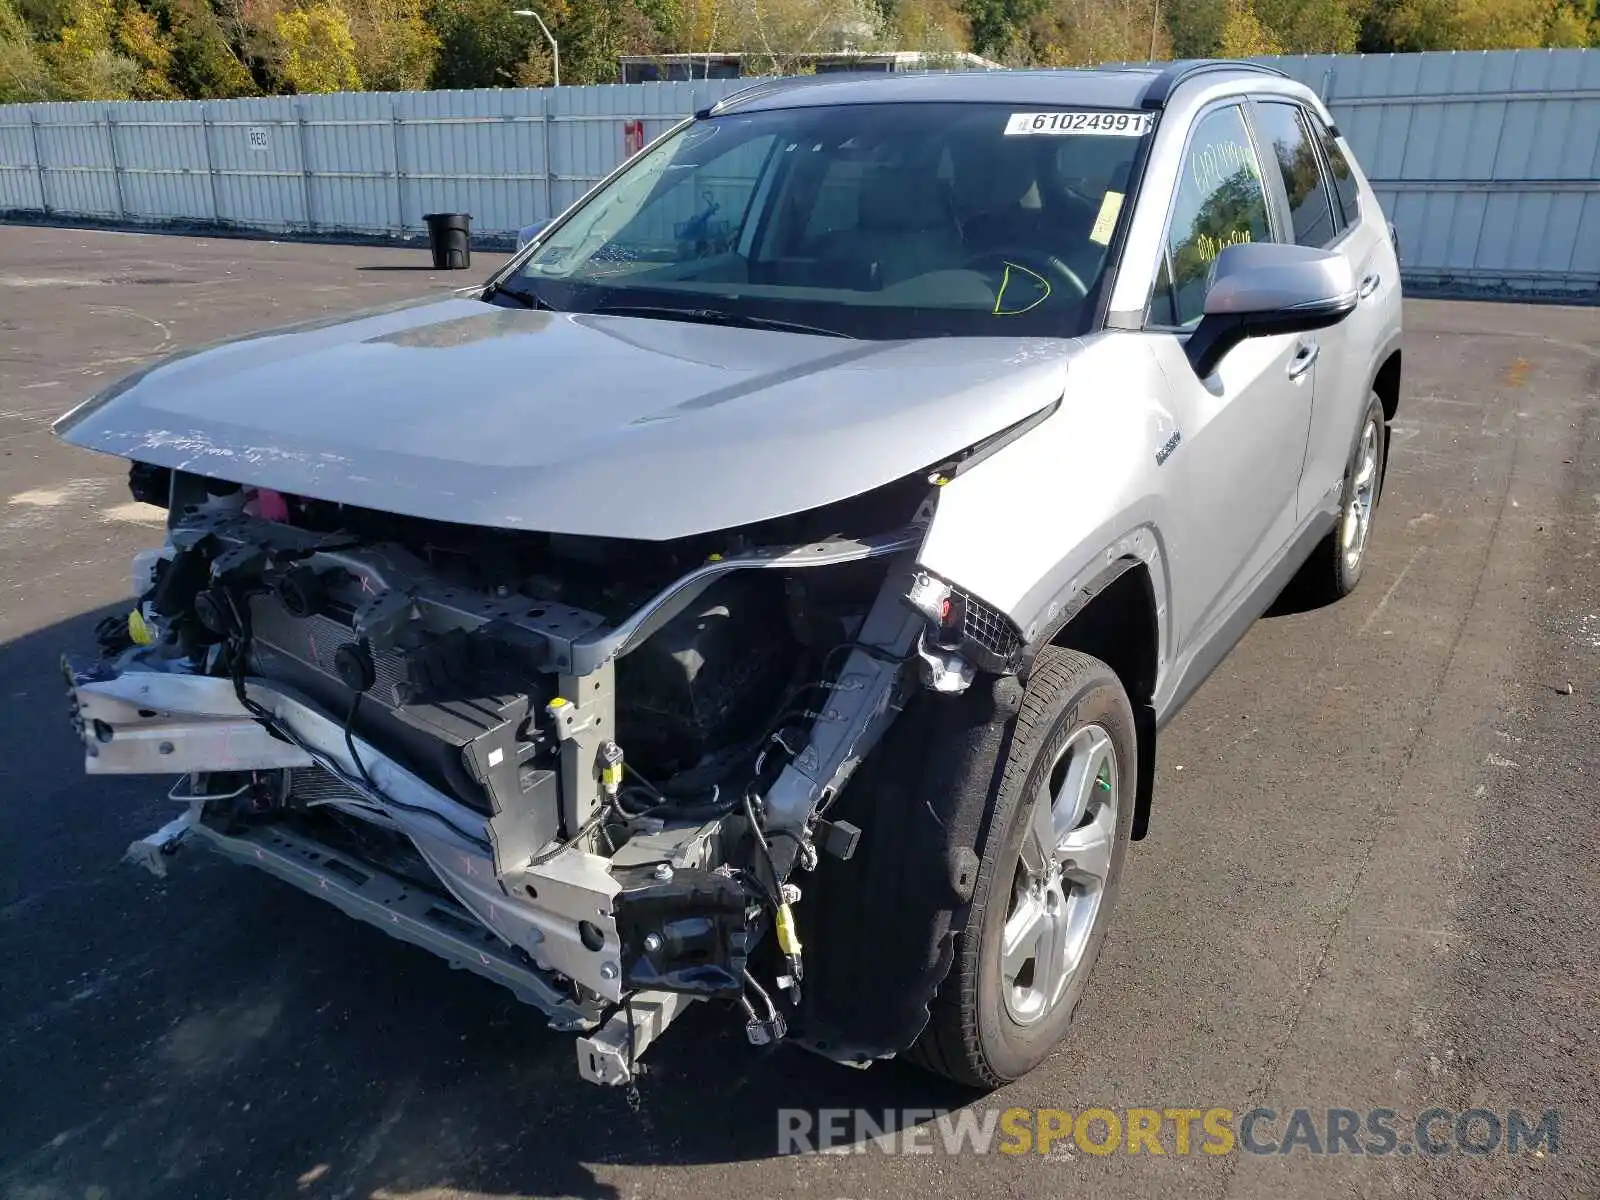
x,y
526,299
716,316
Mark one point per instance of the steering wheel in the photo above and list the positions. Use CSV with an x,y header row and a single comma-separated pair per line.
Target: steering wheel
x,y
1040,262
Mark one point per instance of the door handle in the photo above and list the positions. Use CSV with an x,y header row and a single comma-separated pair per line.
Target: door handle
x,y
1304,358
1370,284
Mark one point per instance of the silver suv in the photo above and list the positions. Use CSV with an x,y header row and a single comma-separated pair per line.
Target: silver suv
x,y
767,589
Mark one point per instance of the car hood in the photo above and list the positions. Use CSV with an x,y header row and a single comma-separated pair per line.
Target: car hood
x,y
458,410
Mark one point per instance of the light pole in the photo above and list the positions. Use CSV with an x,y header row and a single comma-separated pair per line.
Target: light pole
x,y
555,48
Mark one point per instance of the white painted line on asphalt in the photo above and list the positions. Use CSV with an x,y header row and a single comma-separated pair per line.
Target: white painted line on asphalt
x,y
1377,612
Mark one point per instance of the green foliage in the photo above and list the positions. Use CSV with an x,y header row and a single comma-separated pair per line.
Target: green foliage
x,y
1313,26
319,50
1569,26
44,18
1488,24
997,25
1243,34
205,63
1195,27
1083,34
139,36
163,49
594,35
395,47
12,27
936,26
24,74
481,44
84,61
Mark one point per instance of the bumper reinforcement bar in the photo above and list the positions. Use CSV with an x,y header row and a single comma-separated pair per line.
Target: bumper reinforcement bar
x,y
399,909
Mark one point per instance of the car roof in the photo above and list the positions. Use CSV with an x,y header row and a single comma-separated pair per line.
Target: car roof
x,y
1141,85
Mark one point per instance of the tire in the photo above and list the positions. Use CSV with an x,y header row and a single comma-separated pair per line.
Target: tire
x,y
979,1031
1333,570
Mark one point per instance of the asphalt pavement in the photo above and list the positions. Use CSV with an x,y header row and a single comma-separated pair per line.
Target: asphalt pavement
x,y
1371,879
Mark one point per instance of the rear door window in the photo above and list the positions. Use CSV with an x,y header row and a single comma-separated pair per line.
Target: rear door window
x,y
1312,211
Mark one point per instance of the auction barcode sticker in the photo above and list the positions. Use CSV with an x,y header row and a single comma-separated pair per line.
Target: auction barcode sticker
x,y
1112,124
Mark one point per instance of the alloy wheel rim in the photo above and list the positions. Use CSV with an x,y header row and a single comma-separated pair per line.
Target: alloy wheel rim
x,y
1061,875
1357,522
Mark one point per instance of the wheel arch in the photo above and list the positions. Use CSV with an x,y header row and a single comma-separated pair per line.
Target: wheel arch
x,y
1116,617
1386,382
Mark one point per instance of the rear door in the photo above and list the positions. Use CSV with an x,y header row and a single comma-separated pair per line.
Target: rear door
x,y
1317,195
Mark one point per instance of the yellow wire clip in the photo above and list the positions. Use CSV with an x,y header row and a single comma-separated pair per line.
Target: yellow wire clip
x,y
788,939
139,629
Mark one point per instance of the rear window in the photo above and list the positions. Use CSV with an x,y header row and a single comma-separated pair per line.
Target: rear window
x,y
1345,188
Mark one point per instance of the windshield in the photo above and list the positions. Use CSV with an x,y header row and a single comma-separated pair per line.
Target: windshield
x,y
869,221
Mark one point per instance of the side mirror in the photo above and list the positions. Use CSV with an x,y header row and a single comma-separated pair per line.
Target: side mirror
x,y
1262,288
529,233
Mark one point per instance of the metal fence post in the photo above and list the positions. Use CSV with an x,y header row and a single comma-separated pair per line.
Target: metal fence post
x,y
399,169
116,167
38,161
545,95
305,166
211,170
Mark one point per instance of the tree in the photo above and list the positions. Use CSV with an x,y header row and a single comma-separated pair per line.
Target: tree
x,y
205,63
1243,35
481,44
777,35
1313,26
936,26
998,25
24,74
395,47
595,33
157,49
1569,26
1484,24
1194,26
1083,32
140,37
83,60
319,51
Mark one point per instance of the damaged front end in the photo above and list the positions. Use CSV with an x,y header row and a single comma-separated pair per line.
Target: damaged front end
x,y
585,768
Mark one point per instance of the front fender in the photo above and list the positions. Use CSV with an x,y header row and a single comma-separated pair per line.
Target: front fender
x,y
1041,520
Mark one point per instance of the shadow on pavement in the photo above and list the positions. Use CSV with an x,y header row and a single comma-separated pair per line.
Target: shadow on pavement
x,y
219,1033
425,268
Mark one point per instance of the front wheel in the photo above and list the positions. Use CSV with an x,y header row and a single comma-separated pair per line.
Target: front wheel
x,y
1049,866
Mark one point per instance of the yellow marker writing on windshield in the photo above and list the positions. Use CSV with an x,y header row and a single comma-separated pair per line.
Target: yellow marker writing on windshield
x,y
1005,282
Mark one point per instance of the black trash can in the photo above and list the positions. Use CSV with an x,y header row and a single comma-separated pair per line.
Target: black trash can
x,y
450,239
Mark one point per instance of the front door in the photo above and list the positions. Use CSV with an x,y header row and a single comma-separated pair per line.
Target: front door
x,y
1239,436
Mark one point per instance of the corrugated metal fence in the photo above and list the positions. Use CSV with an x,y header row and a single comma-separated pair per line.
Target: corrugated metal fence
x,y
371,163
1488,163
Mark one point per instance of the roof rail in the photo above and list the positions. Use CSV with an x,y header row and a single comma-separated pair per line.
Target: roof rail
x,y
1178,73
767,87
